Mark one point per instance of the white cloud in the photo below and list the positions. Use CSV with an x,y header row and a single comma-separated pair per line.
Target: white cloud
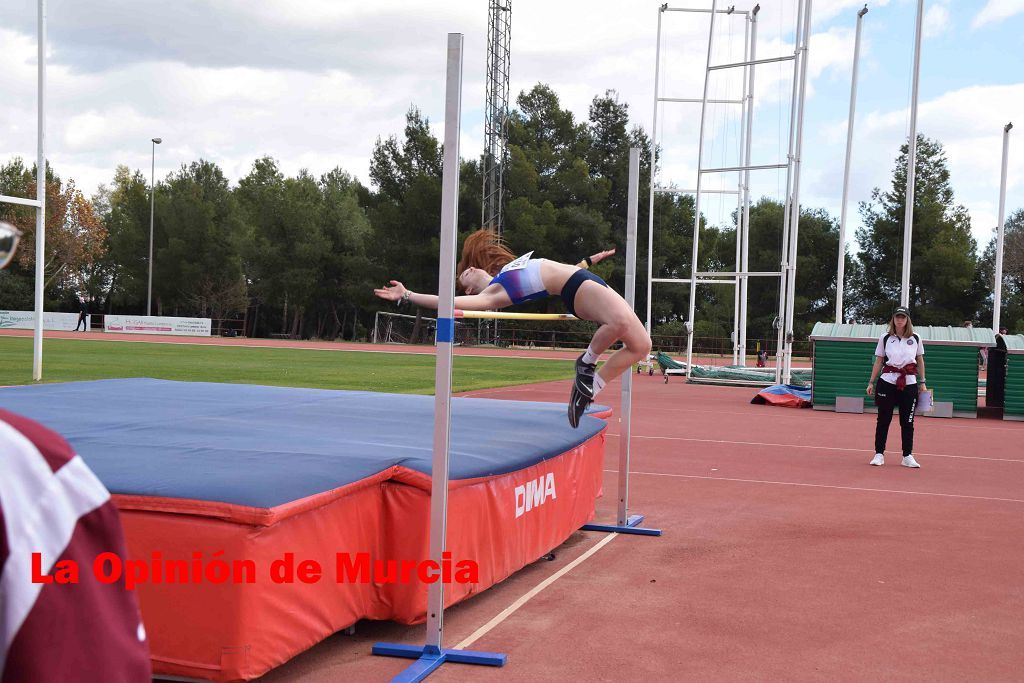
x,y
936,20
997,10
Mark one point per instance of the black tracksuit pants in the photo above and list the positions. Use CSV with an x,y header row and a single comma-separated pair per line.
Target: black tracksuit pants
x,y
888,398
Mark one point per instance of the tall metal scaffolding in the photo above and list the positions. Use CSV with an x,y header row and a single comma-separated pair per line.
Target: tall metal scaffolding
x,y
499,32
739,277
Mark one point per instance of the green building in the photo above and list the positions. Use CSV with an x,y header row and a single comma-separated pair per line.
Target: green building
x,y
843,355
1013,396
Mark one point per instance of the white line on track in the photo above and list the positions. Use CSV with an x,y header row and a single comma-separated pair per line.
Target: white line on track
x,y
822,448
960,423
825,486
508,611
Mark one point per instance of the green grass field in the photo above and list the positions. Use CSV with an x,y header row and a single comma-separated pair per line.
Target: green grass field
x,y
73,360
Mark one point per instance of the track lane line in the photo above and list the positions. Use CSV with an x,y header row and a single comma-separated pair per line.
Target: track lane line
x,y
823,448
511,609
824,486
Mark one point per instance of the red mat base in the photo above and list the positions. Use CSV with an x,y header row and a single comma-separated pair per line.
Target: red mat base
x,y
235,631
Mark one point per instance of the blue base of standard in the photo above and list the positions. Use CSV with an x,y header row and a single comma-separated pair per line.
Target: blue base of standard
x,y
631,527
429,658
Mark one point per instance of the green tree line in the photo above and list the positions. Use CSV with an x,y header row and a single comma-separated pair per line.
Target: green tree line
x,y
300,255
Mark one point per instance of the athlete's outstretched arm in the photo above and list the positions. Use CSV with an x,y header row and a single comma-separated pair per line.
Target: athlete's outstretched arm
x,y
596,258
485,301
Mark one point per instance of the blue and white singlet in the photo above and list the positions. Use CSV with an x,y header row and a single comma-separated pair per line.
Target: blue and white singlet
x,y
521,279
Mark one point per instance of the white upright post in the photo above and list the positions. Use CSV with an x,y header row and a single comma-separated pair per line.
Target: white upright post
x,y
433,655
997,302
690,331
745,238
626,523
908,215
654,167
794,222
37,335
736,343
626,404
841,270
782,347
445,333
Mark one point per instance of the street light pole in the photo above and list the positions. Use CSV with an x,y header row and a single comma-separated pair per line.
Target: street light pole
x,y
1000,230
152,192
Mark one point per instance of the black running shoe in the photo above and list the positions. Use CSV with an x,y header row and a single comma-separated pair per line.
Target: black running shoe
x,y
585,378
577,406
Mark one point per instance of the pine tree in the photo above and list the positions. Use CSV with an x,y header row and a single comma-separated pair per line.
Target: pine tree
x,y
945,287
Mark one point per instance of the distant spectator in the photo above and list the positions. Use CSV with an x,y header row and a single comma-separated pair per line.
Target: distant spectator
x,y
83,314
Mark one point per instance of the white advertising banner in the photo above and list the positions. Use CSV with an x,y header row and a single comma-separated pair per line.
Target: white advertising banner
x,y
153,324
26,320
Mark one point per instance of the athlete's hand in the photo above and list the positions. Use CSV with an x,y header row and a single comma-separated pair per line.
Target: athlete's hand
x,y
871,389
391,293
601,255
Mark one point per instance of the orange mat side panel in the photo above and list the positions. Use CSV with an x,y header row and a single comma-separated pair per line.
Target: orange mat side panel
x,y
237,631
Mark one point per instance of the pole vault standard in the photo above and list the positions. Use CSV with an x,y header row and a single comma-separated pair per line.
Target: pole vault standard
x,y
40,201
432,655
788,260
654,143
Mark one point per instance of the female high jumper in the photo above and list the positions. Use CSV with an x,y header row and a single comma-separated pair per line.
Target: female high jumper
x,y
492,277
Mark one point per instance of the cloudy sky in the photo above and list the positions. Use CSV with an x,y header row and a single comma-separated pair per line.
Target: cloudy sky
x,y
232,80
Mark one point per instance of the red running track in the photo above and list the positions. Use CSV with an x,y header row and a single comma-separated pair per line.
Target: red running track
x,y
785,557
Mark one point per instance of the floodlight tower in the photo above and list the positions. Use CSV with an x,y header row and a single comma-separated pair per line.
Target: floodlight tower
x,y
499,31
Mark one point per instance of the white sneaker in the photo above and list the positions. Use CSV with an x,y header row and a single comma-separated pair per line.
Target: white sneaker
x,y
908,461
879,459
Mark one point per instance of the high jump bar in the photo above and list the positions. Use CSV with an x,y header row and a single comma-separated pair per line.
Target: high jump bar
x,y
507,315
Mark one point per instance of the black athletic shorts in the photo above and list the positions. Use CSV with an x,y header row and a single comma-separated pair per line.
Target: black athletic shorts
x,y
573,284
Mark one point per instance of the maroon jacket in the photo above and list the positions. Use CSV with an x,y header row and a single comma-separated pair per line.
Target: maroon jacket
x,y
51,503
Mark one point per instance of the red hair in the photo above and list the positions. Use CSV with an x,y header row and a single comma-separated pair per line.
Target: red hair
x,y
484,250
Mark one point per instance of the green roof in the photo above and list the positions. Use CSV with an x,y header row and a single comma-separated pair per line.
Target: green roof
x,y
847,331
935,334
1014,343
